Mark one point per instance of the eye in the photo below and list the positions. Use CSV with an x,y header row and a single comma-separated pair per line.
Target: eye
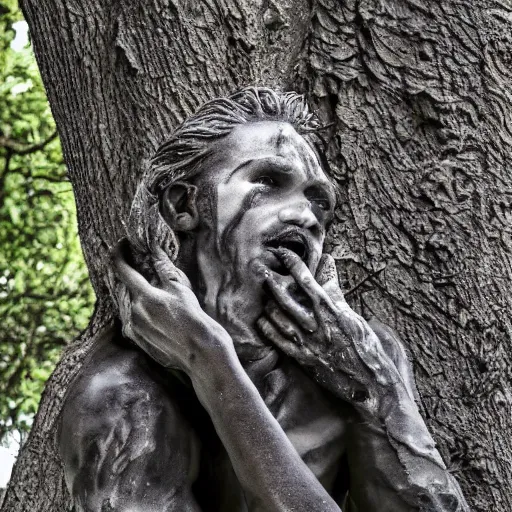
x,y
265,180
323,204
319,197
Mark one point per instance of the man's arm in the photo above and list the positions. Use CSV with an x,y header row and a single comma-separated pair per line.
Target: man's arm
x,y
403,474
393,461
171,327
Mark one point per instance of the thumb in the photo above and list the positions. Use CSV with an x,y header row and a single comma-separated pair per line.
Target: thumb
x,y
327,277
326,271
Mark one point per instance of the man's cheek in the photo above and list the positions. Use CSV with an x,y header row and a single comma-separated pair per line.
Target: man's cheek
x,y
230,201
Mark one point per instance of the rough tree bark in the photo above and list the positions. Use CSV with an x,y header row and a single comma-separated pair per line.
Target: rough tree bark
x,y
418,97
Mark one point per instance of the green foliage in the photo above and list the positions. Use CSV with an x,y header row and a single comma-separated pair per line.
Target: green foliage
x,y
45,295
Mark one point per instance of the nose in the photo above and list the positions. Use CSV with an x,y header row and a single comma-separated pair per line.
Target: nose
x,y
299,214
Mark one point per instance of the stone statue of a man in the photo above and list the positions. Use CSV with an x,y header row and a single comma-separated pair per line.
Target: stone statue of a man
x,y
257,387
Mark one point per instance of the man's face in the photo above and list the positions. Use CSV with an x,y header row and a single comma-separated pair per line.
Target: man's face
x,y
266,189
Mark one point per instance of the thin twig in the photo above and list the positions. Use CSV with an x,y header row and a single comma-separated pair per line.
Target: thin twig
x,y
20,150
358,285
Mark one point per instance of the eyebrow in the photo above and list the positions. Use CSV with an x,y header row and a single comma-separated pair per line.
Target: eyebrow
x,y
267,162
331,190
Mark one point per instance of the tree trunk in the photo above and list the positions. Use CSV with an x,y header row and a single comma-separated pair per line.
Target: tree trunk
x,y
417,98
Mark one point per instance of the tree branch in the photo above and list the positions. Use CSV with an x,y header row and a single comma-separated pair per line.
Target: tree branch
x,y
18,149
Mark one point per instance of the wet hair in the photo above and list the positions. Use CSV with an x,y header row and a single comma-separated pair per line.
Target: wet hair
x,y
181,157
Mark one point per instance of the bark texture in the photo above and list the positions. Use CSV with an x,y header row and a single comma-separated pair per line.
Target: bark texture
x,y
417,95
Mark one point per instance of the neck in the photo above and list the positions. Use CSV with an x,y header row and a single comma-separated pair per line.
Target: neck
x,y
229,295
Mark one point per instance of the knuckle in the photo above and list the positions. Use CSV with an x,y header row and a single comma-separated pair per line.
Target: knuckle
x,y
272,309
296,263
306,278
282,289
140,312
136,306
264,326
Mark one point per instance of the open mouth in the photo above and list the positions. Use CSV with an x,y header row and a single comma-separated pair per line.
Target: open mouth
x,y
294,242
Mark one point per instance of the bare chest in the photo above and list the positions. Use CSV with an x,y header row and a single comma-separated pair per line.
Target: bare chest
x,y
313,423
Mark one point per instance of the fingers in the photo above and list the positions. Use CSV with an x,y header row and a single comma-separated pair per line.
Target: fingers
x,y
327,278
125,310
343,385
165,269
167,272
134,281
271,333
301,273
280,292
282,321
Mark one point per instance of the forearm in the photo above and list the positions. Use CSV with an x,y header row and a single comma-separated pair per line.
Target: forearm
x,y
271,472
399,472
394,464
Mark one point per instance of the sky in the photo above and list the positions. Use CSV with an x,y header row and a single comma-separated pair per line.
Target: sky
x,y
21,38
7,458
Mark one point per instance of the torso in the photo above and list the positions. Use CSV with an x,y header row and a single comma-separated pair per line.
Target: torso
x,y
117,420
315,427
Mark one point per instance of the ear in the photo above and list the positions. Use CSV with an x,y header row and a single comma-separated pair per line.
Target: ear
x,y
178,206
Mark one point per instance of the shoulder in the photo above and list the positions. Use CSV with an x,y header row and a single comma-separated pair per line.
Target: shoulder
x,y
122,426
115,377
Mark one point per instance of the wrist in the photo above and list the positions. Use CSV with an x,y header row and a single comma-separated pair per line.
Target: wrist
x,y
394,413
203,342
220,381
385,403
211,357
